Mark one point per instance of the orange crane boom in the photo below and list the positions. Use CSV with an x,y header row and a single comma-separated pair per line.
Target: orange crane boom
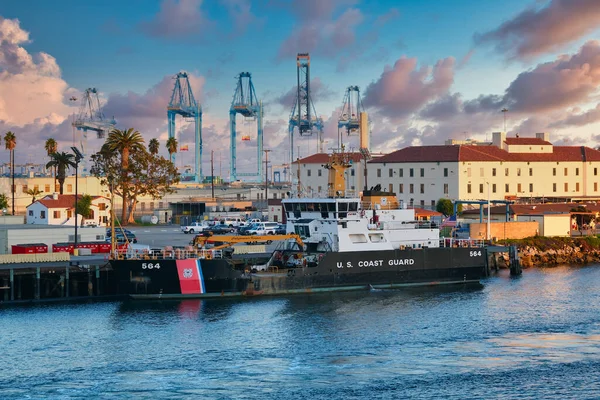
x,y
229,240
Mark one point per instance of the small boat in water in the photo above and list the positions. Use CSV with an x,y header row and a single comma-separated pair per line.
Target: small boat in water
x,y
334,243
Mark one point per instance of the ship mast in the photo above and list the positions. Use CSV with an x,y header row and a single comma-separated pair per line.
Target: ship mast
x,y
337,165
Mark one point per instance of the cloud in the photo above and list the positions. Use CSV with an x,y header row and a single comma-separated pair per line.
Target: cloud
x,y
444,108
319,31
319,91
567,81
536,31
178,19
404,88
389,16
31,87
581,119
241,14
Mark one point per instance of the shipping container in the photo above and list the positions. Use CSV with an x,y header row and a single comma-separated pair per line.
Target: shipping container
x,y
29,248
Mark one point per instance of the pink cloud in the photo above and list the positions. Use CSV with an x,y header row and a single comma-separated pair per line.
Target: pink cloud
x,y
319,91
536,31
404,88
178,19
580,119
240,12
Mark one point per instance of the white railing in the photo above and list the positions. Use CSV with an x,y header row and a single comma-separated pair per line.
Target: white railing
x,y
169,253
452,242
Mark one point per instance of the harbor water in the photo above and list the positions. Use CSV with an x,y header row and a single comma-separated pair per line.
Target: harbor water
x,y
534,336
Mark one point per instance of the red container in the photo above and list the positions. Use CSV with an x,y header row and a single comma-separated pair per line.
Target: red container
x,y
62,247
29,248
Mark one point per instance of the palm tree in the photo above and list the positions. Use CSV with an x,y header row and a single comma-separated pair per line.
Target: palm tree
x,y
10,141
34,193
62,162
51,147
124,141
153,146
172,148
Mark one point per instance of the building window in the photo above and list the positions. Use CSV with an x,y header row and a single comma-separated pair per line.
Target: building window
x,y
422,203
566,186
412,202
379,172
531,188
577,186
24,188
553,171
102,206
319,188
595,186
468,188
69,213
576,171
143,206
47,188
506,188
43,214
595,171
530,171
391,186
308,172
31,213
505,171
401,188
518,171
422,172
445,172
481,188
160,204
422,188
411,172
352,172
401,172
493,171
69,188
152,203
554,187
433,204
566,171
391,172
519,187
56,214
494,188
445,188
411,188
319,172
57,188
36,187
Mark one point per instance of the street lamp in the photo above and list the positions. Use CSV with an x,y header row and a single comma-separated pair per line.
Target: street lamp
x,y
78,157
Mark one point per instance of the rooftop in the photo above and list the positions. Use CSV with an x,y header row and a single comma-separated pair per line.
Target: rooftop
x,y
63,200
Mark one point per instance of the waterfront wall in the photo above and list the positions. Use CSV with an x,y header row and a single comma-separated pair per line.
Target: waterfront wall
x,y
504,230
553,251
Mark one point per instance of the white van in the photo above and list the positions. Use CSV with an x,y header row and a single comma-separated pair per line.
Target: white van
x,y
263,228
233,222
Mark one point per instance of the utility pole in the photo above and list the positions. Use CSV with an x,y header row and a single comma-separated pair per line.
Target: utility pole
x,y
212,174
267,176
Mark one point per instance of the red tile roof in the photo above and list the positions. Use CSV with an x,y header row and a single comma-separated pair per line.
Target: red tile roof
x,y
485,153
526,141
63,201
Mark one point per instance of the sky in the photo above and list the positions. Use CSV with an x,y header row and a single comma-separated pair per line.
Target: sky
x,y
427,70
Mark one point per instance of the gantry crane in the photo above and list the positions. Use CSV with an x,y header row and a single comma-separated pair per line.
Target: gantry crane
x,y
353,119
91,118
303,115
247,104
183,103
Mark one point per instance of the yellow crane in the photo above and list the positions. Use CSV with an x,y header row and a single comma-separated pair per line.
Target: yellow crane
x,y
229,240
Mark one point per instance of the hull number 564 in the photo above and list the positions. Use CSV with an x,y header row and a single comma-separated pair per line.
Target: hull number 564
x,y
475,253
150,266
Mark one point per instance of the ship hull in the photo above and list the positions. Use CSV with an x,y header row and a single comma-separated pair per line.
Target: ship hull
x,y
198,278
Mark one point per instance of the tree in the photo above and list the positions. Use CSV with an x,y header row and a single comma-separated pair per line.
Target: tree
x,y
153,146
446,207
10,140
34,193
84,205
61,161
51,147
125,142
3,202
172,146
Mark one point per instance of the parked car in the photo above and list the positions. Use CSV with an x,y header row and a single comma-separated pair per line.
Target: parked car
x,y
233,222
263,228
281,229
119,230
221,229
195,227
244,230
122,238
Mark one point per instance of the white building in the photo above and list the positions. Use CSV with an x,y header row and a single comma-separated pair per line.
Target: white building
x,y
59,210
513,167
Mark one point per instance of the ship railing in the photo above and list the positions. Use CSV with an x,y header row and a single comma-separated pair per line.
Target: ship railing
x,y
452,242
169,253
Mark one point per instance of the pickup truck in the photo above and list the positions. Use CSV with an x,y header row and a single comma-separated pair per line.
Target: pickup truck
x,y
195,227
